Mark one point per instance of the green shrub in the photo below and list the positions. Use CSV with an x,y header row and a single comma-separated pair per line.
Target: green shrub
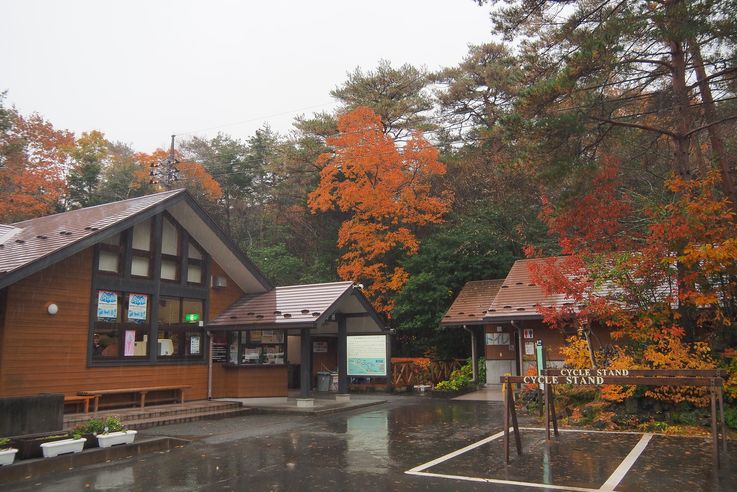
x,y
4,442
99,426
730,417
459,379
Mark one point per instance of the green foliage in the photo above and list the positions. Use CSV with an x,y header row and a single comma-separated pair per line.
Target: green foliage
x,y
730,417
459,379
97,426
449,258
4,443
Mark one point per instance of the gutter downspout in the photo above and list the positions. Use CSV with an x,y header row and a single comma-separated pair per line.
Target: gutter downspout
x,y
519,349
474,357
209,365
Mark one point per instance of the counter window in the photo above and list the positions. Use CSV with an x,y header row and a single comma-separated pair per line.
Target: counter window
x,y
254,347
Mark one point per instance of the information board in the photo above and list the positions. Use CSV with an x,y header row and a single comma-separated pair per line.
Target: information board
x,y
366,355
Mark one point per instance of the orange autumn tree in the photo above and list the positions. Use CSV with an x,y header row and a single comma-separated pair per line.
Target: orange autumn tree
x,y
666,289
33,156
386,193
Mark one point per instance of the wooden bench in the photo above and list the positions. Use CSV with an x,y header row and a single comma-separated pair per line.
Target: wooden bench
x,y
139,394
83,400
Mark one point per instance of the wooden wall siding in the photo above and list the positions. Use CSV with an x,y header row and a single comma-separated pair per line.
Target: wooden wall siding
x,y
43,353
248,382
552,340
324,361
500,352
222,297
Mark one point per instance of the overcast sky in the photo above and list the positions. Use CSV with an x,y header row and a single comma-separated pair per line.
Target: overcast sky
x,y
140,70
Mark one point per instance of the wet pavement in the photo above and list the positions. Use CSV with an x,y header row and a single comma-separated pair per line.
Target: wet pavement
x,y
372,448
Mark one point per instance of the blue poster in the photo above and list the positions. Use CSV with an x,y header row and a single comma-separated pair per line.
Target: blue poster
x,y
137,304
107,305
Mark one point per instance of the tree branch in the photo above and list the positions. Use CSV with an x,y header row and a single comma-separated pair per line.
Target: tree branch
x,y
704,127
634,125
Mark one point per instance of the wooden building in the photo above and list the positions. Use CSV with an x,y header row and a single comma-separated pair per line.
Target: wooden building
x,y
506,313
148,292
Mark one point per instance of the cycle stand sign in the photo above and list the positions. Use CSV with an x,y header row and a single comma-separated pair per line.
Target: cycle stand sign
x,y
549,378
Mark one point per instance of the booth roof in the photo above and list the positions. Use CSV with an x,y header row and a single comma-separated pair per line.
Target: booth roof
x,y
294,306
472,302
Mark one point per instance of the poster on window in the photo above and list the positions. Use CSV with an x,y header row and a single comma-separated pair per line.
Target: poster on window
x,y
529,348
497,339
129,348
194,345
137,307
366,355
107,305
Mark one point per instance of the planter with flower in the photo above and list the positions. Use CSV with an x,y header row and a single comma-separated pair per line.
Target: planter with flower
x,y
114,433
64,446
7,454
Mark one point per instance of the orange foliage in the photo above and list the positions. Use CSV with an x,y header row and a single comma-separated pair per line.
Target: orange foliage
x,y
386,191
32,176
192,176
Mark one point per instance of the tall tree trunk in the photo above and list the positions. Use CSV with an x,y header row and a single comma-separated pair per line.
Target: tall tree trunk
x,y
715,135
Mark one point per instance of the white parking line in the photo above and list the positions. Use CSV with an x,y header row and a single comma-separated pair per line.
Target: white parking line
x,y
625,465
613,480
503,482
456,453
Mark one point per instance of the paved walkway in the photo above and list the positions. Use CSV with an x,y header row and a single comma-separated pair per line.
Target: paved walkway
x,y
486,393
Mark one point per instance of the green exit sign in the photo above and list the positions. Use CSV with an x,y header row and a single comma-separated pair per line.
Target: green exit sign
x,y
189,317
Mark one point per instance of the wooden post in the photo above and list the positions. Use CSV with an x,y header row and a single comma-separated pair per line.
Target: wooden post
x,y
552,408
714,434
547,411
723,429
507,397
515,426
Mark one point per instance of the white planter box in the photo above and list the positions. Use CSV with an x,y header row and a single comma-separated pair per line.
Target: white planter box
x,y
7,456
65,446
113,438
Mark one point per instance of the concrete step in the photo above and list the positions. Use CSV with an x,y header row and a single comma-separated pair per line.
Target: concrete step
x,y
130,416
178,419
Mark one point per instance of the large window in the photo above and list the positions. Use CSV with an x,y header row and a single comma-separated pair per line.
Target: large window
x,y
122,325
256,347
180,335
125,325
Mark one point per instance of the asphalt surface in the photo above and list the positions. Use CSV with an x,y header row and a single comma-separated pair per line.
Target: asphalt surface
x,y
371,449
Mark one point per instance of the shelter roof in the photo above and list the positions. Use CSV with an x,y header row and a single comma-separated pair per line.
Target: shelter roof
x,y
474,299
295,306
518,297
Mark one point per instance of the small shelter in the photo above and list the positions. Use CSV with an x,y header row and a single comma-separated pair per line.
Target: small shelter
x,y
507,312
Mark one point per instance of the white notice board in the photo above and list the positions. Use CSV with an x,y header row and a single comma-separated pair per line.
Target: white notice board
x,y
366,355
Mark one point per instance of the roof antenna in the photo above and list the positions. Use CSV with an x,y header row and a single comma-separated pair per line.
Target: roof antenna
x,y
165,173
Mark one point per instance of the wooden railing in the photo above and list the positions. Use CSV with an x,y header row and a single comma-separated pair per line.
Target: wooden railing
x,y
412,371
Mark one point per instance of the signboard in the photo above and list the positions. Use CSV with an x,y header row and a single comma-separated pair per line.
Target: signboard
x,y
137,306
528,333
107,305
191,317
529,348
581,376
194,345
366,355
129,349
320,347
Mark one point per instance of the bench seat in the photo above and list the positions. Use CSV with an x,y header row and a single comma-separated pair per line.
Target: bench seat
x,y
139,394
